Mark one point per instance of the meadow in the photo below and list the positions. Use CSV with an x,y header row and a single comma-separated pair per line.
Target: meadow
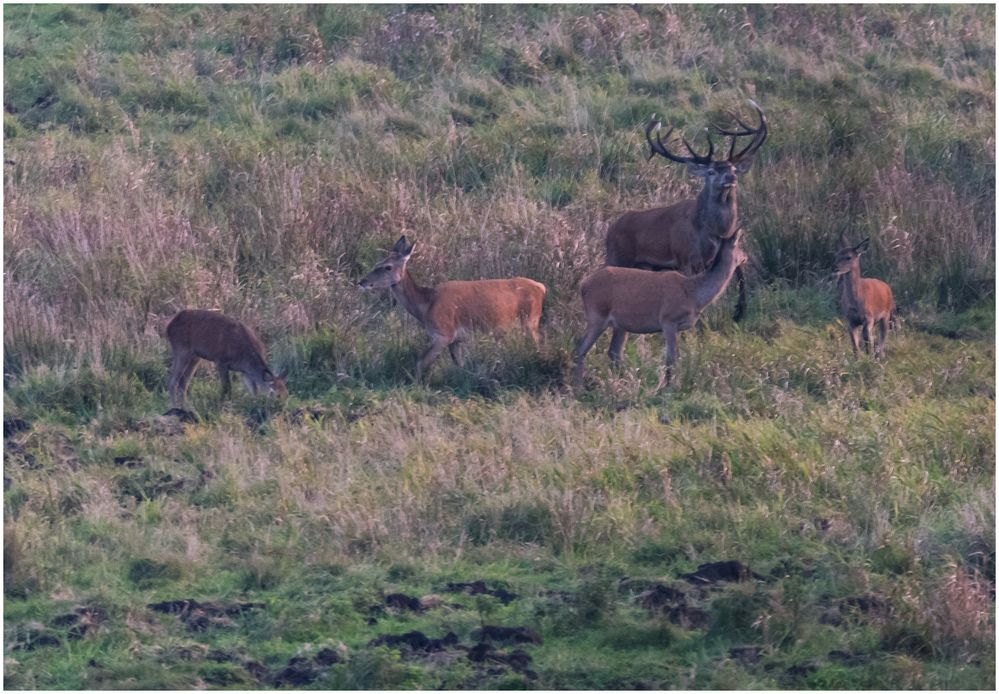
x,y
784,515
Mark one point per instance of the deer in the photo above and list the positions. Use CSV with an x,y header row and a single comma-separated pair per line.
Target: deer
x,y
686,235
454,309
198,334
864,301
632,300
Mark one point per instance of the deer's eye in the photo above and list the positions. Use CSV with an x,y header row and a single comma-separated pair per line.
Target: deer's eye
x,y
712,172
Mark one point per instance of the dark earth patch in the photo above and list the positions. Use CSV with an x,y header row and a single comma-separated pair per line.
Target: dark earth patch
x,y
183,415
81,622
479,588
719,571
28,637
401,601
12,425
518,660
500,634
201,616
129,461
746,655
660,596
846,658
416,641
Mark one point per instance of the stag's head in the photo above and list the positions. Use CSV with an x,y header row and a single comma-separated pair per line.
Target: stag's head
x,y
848,259
391,269
721,176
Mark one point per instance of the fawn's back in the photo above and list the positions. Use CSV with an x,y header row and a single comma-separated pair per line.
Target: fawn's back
x,y
212,336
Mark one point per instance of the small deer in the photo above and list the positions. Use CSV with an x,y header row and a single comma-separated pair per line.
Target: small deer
x,y
686,236
195,335
452,310
641,301
863,300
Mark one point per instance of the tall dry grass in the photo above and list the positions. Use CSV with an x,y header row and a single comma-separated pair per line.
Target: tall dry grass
x,y
259,165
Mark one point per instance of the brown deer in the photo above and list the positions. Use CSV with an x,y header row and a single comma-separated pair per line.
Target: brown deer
x,y
641,301
195,335
863,300
452,310
686,235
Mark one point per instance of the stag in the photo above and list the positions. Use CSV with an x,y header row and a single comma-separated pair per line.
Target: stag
x,y
863,300
452,310
641,301
686,236
195,335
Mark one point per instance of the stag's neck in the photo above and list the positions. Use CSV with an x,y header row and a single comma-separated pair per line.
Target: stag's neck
x,y
413,297
711,284
717,212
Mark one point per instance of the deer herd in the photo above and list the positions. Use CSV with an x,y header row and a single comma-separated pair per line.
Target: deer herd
x,y
663,267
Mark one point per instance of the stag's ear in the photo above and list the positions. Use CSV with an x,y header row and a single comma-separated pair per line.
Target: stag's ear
x,y
744,165
862,246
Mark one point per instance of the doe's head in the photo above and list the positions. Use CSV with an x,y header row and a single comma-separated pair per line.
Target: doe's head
x,y
734,243
275,386
391,269
848,259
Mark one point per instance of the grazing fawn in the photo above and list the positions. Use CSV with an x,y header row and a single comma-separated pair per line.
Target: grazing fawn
x,y
643,301
452,310
195,335
863,300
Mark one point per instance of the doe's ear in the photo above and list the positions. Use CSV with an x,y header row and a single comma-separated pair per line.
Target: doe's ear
x,y
862,246
283,375
400,245
409,251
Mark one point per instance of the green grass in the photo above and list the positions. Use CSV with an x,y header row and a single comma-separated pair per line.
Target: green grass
x,y
260,160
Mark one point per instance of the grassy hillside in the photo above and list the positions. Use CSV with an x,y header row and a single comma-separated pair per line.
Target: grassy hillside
x,y
259,160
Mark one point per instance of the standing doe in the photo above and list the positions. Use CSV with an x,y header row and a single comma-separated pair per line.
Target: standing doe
x,y
863,300
195,335
686,235
642,301
452,310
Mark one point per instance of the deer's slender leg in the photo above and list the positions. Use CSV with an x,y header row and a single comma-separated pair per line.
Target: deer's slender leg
x,y
618,338
457,353
177,365
430,356
882,335
854,332
669,349
532,323
225,381
593,332
868,334
740,305
187,370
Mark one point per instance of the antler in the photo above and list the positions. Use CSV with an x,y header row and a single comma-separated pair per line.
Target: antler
x,y
657,147
759,134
